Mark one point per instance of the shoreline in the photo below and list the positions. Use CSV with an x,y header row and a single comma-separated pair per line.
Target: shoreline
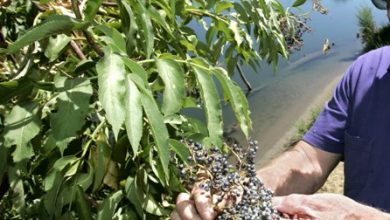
x,y
281,145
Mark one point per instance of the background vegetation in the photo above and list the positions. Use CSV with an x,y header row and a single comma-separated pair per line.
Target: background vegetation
x,y
371,35
93,97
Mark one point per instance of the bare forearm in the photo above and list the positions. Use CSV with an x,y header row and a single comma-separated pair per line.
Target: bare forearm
x,y
302,169
285,176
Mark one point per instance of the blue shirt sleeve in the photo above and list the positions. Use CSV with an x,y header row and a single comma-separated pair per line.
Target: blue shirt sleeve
x,y
327,133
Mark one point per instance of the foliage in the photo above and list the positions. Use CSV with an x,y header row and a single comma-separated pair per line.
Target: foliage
x,y
94,97
371,35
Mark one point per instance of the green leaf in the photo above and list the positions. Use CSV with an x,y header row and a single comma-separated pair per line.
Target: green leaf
x,y
22,153
111,80
56,45
211,104
85,180
20,126
136,69
172,75
129,26
180,149
73,106
17,190
241,11
152,207
237,32
100,157
113,38
236,98
91,9
50,180
108,208
298,3
156,122
222,6
55,24
82,206
159,19
133,119
146,29
134,194
52,193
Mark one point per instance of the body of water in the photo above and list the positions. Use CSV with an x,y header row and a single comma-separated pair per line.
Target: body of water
x,y
281,97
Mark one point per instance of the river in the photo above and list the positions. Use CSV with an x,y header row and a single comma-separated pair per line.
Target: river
x,y
281,98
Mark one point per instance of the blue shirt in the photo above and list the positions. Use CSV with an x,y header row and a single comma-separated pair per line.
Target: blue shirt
x,y
356,124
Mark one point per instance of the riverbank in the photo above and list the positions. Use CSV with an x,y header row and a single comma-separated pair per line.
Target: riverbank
x,y
275,137
335,181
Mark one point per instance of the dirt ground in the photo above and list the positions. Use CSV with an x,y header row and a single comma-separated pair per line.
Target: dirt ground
x,y
335,182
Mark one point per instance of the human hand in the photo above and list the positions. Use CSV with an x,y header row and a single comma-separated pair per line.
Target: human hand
x,y
196,206
323,206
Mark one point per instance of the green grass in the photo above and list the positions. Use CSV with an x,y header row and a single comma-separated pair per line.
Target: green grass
x,y
303,126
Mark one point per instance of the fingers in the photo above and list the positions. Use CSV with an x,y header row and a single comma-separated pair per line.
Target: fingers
x,y
293,205
175,215
204,204
185,208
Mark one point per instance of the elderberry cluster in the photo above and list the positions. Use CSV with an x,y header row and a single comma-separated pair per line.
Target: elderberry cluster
x,y
229,175
293,36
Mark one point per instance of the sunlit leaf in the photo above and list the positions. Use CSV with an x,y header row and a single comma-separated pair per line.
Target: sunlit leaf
x,y
147,28
56,45
156,121
172,75
129,25
113,38
222,6
111,80
55,24
237,100
136,69
211,104
134,114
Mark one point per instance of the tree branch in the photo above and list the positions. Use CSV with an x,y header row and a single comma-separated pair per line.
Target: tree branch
x,y
77,50
88,36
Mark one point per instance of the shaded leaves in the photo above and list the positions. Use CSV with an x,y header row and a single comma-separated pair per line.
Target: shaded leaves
x,y
20,126
72,108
